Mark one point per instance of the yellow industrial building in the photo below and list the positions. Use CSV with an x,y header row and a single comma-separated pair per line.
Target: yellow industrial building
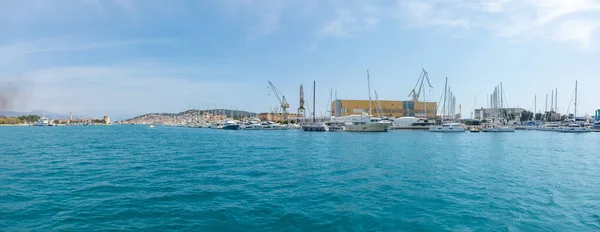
x,y
388,108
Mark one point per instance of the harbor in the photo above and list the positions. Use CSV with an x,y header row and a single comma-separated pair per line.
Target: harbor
x,y
291,115
375,115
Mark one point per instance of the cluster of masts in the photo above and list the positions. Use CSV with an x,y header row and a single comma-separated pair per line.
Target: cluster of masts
x,y
448,103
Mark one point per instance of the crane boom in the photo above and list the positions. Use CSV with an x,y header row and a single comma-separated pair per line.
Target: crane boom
x,y
416,92
281,98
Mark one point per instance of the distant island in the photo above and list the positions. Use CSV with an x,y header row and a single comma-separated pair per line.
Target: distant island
x,y
186,116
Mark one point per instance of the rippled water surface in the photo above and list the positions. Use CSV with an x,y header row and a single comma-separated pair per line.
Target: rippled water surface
x,y
136,178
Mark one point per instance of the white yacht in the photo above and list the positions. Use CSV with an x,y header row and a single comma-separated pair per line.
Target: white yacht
x,y
368,124
251,126
574,128
550,126
293,126
447,127
335,126
498,129
43,121
411,123
405,121
272,126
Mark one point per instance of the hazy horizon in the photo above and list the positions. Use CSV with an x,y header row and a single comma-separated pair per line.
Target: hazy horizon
x,y
125,58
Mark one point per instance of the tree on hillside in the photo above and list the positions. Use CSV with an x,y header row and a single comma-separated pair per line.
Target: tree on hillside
x,y
28,118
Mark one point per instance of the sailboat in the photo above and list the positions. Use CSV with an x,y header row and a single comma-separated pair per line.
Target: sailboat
x,y
446,127
573,126
499,108
368,123
315,126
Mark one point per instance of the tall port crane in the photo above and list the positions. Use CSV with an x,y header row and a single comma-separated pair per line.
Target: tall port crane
x,y
301,110
281,98
416,92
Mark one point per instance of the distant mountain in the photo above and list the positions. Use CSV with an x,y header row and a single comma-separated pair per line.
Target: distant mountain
x,y
50,115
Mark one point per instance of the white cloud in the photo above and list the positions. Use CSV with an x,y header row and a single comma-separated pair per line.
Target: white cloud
x,y
425,14
549,10
347,23
493,6
515,20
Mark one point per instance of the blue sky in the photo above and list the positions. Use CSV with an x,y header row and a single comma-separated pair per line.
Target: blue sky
x,y
125,57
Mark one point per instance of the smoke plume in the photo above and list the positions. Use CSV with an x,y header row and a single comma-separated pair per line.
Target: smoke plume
x,y
12,92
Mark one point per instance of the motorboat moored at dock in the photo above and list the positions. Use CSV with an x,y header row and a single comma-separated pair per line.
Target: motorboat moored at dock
x,y
447,127
369,124
574,128
498,129
230,125
336,126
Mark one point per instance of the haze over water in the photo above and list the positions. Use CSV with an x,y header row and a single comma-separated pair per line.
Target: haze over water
x,y
136,178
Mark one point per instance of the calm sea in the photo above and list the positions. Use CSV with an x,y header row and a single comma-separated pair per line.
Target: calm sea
x,y
136,178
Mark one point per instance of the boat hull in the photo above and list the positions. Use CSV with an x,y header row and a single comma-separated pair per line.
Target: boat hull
x,y
317,127
442,129
498,130
410,127
231,127
575,130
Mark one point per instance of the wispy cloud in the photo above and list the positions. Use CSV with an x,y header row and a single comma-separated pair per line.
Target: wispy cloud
x,y
349,23
426,14
512,19
264,17
10,52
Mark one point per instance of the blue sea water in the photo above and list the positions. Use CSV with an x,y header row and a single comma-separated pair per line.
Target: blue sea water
x,y
136,178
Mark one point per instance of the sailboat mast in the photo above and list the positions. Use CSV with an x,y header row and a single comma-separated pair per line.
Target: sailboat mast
x,y
575,115
474,107
314,100
330,101
534,106
444,106
369,86
552,101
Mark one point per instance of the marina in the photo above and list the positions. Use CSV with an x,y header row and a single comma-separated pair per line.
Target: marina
x,y
287,115
370,115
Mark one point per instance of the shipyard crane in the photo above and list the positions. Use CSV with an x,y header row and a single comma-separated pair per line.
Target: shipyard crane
x,y
281,98
301,110
416,92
